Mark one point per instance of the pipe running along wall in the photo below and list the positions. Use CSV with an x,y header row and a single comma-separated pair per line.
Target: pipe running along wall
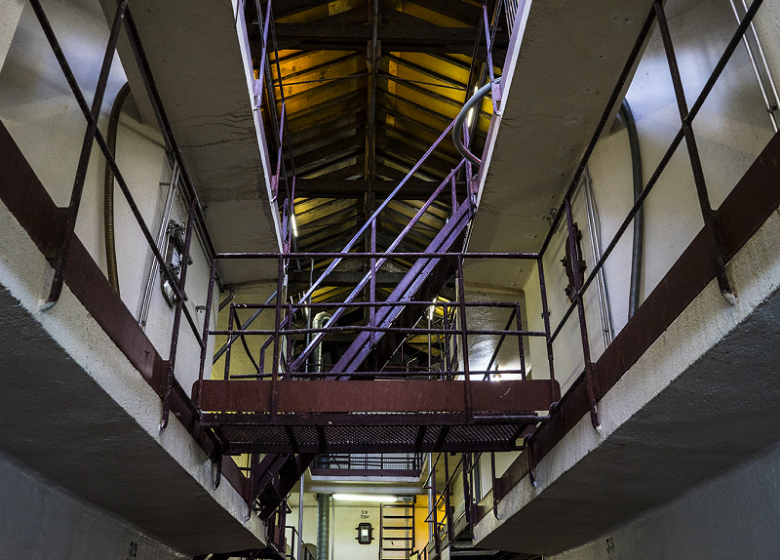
x,y
636,162
112,270
323,526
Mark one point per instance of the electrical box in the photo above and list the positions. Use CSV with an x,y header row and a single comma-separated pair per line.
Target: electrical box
x,y
365,533
173,259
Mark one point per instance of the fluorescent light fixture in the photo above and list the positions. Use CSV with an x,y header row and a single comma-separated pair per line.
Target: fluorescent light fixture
x,y
382,498
294,225
470,116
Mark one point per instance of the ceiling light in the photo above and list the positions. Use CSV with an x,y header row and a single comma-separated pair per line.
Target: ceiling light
x,y
382,498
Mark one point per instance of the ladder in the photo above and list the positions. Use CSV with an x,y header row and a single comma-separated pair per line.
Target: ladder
x,y
396,531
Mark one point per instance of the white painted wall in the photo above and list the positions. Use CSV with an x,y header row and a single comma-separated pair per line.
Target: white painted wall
x,y
734,516
731,130
345,517
40,112
43,520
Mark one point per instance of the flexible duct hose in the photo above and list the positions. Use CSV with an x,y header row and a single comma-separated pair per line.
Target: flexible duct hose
x,y
323,526
108,190
461,118
636,162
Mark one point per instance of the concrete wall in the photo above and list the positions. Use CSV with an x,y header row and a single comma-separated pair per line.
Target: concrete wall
x,y
734,516
345,517
40,112
42,520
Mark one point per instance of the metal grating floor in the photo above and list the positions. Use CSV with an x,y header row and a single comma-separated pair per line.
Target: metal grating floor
x,y
365,433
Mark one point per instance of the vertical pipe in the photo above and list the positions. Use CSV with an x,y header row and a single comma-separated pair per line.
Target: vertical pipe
x,y
594,230
299,555
161,246
636,169
323,526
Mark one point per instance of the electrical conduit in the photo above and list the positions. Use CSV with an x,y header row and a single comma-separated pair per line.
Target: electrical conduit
x,y
108,190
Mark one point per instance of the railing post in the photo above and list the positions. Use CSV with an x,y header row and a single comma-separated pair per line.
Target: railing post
x,y
372,289
277,339
712,222
495,88
261,74
576,284
71,212
447,515
206,325
464,337
231,310
546,317
275,180
496,484
177,317
520,340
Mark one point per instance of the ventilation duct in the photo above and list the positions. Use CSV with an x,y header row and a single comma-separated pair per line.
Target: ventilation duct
x,y
323,525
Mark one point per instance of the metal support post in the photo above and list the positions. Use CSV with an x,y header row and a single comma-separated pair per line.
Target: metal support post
x,y
277,339
520,340
546,317
447,513
205,338
712,223
576,284
71,212
300,516
464,335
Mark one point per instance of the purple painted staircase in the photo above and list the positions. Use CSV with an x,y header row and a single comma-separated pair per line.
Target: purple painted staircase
x,y
424,281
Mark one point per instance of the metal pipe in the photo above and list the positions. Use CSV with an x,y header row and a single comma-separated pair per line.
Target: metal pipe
x,y
300,517
230,297
594,230
323,526
404,254
457,130
251,319
636,165
770,109
109,232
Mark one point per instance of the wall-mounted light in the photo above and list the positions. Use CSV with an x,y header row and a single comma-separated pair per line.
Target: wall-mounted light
x,y
381,498
365,533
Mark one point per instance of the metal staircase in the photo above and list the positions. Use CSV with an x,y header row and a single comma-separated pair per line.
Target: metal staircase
x,y
422,282
396,531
